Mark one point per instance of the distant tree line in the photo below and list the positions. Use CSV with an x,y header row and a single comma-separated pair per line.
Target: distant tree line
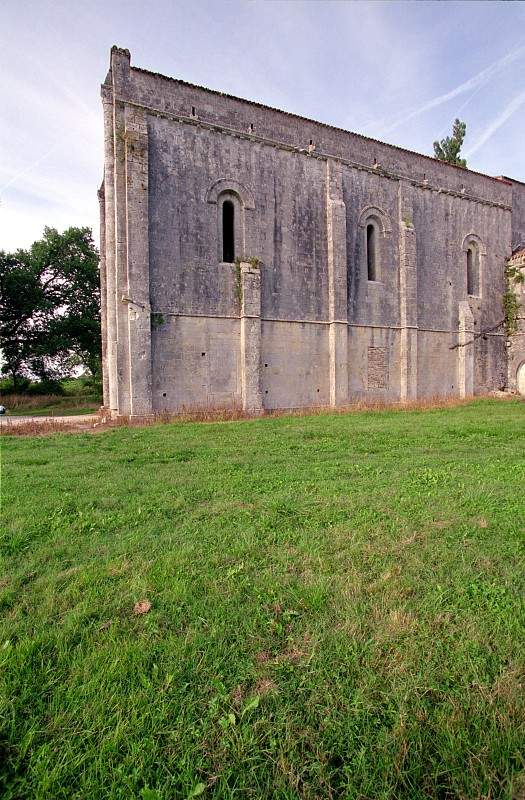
x,y
50,308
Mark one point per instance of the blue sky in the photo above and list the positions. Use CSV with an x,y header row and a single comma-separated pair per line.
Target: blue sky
x,y
397,71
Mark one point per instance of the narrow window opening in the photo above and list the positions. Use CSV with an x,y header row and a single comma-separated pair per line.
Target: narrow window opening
x,y
470,256
251,127
472,271
371,251
228,235
193,111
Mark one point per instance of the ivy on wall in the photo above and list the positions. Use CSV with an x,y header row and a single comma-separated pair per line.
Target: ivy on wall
x,y
511,304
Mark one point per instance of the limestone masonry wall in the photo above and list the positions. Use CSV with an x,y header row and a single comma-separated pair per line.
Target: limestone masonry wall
x,y
349,275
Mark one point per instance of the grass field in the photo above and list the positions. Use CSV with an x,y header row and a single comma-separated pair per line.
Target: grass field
x,y
50,405
337,609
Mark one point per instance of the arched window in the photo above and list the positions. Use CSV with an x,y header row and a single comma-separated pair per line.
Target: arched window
x,y
472,269
372,251
232,200
228,231
374,245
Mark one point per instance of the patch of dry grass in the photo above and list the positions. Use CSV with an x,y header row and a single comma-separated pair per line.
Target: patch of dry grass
x,y
35,427
229,414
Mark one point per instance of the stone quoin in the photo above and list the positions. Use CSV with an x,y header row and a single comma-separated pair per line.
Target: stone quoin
x,y
254,258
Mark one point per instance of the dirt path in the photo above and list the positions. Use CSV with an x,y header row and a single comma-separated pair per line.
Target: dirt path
x,y
72,419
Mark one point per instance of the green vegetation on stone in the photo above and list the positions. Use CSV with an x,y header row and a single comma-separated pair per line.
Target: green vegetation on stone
x,y
337,609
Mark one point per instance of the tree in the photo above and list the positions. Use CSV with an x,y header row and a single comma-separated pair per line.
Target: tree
x,y
448,149
50,306
21,303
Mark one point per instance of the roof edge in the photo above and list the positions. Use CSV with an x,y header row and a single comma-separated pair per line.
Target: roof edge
x,y
500,179
510,180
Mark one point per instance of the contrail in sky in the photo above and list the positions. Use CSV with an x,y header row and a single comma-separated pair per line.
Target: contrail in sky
x,y
29,168
474,83
500,120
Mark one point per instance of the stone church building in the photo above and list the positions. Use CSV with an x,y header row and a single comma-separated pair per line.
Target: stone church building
x,y
254,258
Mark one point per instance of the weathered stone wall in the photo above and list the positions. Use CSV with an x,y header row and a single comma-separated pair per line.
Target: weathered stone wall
x,y
302,325
518,215
196,363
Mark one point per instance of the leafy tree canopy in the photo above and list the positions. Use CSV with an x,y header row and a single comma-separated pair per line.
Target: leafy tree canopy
x,y
448,149
50,306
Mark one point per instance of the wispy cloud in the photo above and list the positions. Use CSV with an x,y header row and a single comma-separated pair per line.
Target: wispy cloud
x,y
50,153
51,132
29,168
510,109
473,84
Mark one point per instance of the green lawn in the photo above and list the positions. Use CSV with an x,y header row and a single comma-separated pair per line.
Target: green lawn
x,y
49,405
337,609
